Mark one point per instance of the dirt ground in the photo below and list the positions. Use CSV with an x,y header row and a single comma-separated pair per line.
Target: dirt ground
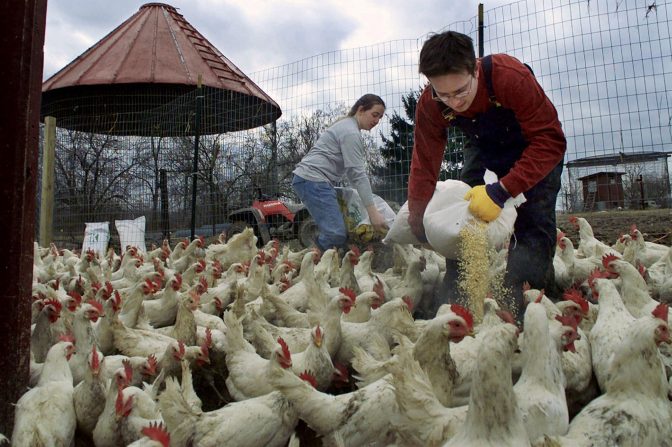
x,y
655,225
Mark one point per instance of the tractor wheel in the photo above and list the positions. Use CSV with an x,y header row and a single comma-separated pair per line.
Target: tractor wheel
x,y
307,232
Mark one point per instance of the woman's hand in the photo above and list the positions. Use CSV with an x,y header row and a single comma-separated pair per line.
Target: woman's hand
x,y
377,219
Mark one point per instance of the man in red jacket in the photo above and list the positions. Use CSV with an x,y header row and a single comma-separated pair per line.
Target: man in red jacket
x,y
513,130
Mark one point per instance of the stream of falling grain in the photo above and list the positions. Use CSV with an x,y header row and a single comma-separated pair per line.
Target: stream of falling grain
x,y
476,276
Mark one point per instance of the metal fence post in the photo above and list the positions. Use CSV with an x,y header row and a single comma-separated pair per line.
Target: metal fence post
x,y
47,196
194,175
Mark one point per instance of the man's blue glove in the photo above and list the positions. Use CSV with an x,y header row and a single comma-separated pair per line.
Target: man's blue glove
x,y
487,201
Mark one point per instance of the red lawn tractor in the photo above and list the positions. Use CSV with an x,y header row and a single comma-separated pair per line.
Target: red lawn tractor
x,y
275,219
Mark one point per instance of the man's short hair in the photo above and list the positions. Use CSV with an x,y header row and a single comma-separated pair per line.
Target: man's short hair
x,y
449,52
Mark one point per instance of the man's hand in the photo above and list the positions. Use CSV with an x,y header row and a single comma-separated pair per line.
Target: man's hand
x,y
417,227
377,220
487,201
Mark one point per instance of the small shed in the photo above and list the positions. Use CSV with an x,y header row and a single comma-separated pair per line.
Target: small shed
x,y
602,190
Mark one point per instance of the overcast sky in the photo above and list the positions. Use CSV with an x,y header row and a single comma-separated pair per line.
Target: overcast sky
x,y
258,34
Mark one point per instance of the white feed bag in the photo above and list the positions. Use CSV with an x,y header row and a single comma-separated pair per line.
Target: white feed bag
x,y
96,237
400,231
447,213
131,233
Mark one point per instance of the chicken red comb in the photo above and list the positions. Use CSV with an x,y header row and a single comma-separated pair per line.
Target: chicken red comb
x,y
409,302
606,259
641,268
67,337
204,283
97,305
526,286
540,296
596,274
151,364
178,278
661,311
128,369
308,377
156,431
116,301
567,320
123,408
464,313
559,236
341,371
95,358
208,337
181,348
285,348
318,331
54,302
573,219
355,250
349,293
76,296
575,295
379,289
150,285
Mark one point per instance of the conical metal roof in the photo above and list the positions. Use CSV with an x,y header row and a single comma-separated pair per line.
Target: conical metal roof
x,y
141,79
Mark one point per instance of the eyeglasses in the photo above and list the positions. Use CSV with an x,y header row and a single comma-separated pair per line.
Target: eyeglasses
x,y
445,98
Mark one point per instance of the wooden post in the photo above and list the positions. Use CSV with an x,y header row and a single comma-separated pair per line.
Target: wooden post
x,y
21,45
47,196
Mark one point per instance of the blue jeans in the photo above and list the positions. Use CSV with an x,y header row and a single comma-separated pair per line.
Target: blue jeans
x,y
320,199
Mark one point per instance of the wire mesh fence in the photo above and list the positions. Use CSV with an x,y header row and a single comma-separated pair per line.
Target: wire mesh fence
x,y
606,66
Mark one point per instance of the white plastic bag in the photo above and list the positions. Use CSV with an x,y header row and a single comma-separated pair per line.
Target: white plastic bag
x,y
131,232
354,211
400,231
96,237
447,213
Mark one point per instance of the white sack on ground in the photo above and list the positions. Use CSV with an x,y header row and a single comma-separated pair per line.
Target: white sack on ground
x,y
131,233
96,237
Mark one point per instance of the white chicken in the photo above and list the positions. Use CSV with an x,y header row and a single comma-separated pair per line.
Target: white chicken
x,y
34,421
240,248
422,420
359,418
638,251
589,245
432,351
540,390
89,394
42,336
315,360
493,418
634,409
248,371
262,334
161,310
377,334
609,330
274,420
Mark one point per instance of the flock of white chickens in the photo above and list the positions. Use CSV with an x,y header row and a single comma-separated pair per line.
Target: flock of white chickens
x,y
231,345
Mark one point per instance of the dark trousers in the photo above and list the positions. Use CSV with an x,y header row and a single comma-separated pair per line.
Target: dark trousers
x,y
530,256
